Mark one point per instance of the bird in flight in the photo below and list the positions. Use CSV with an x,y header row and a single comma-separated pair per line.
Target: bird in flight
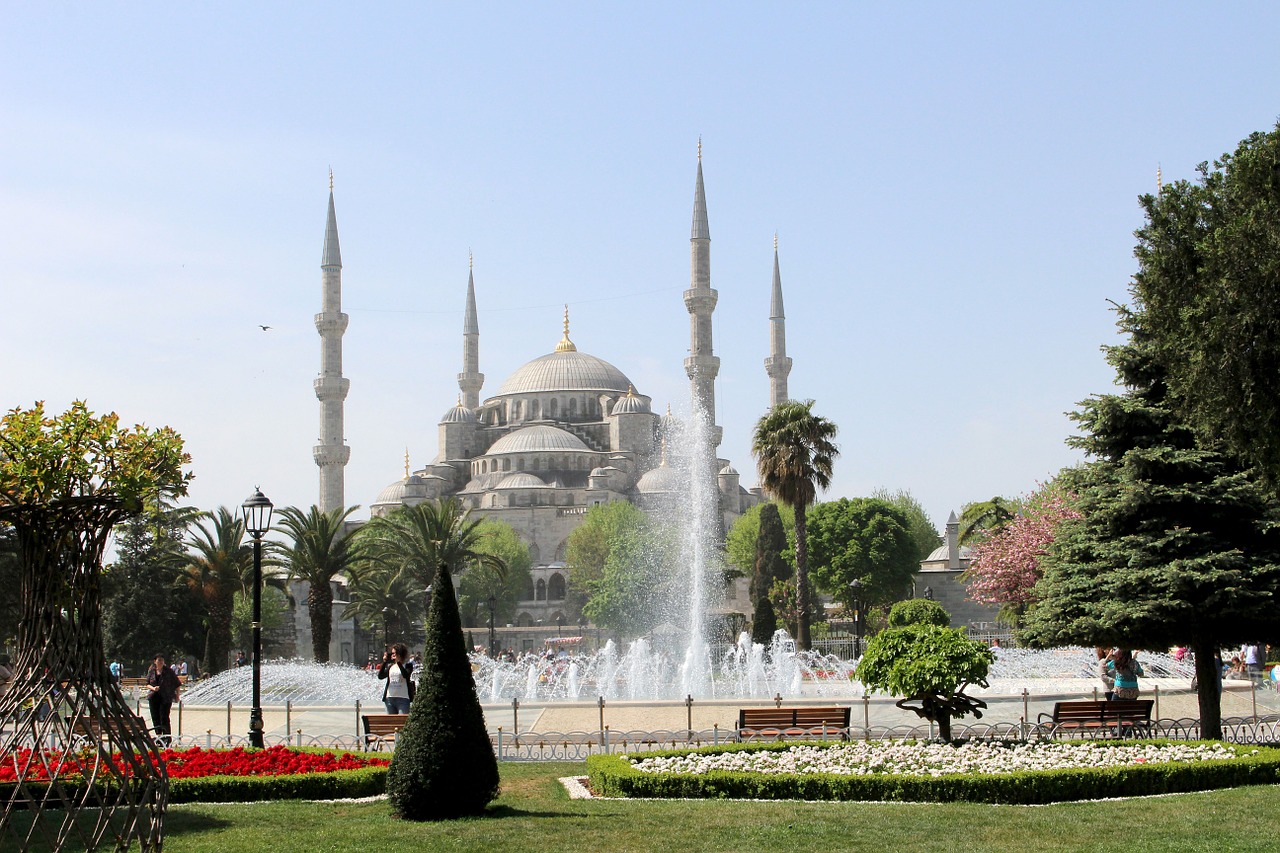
x,y
263,328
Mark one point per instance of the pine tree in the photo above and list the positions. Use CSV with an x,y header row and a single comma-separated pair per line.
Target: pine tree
x,y
444,766
1177,543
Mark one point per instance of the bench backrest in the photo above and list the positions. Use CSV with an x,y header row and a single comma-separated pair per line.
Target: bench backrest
x,y
757,718
383,724
1103,711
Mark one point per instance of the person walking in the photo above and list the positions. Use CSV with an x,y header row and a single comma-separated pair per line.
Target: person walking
x,y
396,670
1126,669
162,692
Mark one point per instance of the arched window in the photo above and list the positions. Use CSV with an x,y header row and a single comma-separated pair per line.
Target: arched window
x,y
533,410
535,555
519,463
506,463
573,407
554,408
540,591
515,410
555,589
525,620
528,590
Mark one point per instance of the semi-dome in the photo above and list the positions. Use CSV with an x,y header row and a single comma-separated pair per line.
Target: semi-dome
x,y
631,404
411,486
521,480
565,371
459,414
536,439
728,471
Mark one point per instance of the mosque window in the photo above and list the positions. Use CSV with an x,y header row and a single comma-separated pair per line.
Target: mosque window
x,y
553,408
541,590
506,464
519,463
555,589
528,591
533,410
573,407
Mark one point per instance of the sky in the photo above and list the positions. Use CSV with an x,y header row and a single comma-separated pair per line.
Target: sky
x,y
954,189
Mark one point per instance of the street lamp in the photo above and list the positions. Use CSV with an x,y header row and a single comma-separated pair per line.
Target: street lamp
x,y
560,625
257,521
386,613
493,653
928,593
856,589
582,628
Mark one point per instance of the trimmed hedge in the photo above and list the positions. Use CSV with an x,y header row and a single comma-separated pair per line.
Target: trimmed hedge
x,y
614,775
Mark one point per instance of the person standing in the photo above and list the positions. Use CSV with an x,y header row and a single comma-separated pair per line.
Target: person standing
x,y
1254,660
1126,670
162,692
1104,673
396,670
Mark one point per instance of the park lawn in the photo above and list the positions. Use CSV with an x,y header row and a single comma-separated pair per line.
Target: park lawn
x,y
535,814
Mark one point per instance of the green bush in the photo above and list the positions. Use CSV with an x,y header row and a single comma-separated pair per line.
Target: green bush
x,y
918,611
444,766
614,775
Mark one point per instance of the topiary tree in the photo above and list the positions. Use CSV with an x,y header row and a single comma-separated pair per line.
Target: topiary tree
x,y
769,566
930,667
444,766
919,611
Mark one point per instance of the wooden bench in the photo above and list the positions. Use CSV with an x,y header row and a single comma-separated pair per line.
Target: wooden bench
x,y
1121,716
793,722
381,729
90,728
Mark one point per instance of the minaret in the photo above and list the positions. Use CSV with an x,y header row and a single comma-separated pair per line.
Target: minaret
x,y
470,380
702,365
777,365
332,453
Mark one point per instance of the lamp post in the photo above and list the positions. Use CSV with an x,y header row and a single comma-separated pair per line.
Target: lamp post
x,y
560,626
928,593
493,653
386,613
856,588
257,521
582,628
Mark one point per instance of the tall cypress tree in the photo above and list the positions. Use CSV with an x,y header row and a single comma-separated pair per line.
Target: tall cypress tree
x,y
1177,543
444,766
770,566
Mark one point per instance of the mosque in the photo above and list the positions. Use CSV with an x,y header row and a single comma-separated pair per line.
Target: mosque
x,y
564,432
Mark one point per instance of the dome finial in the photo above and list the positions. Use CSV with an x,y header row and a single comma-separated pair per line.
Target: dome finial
x,y
565,344
663,462
699,147
471,260
1159,180
775,242
406,463
330,179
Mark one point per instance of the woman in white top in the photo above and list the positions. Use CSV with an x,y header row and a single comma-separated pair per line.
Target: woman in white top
x,y
396,668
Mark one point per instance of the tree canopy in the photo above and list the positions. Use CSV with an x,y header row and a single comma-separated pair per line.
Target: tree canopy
x,y
482,580
740,541
1175,543
1208,285
318,550
591,542
923,531
865,539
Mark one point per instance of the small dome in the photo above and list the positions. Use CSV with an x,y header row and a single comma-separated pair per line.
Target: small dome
x,y
411,486
534,439
600,472
459,414
521,480
729,471
940,554
660,479
631,404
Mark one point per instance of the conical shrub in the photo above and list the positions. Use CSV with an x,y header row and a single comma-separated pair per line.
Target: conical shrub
x,y
444,766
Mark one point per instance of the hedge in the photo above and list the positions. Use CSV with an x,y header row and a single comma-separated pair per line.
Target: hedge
x,y
614,775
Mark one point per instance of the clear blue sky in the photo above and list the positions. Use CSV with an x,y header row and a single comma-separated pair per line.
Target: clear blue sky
x,y
954,187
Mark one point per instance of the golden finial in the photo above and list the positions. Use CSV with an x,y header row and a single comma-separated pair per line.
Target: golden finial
x,y
631,390
406,463
699,147
668,410
565,344
471,261
330,179
662,463
775,242
1159,180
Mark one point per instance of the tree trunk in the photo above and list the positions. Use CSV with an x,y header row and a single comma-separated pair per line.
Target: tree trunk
x,y
944,726
320,610
1209,689
802,579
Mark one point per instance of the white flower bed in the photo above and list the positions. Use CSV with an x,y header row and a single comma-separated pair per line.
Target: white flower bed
x,y
910,758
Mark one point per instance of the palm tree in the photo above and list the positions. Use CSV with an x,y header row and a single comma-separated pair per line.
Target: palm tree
x,y
794,456
318,551
978,520
384,598
416,540
217,563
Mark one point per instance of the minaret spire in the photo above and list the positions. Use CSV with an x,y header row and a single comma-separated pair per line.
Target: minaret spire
x,y
332,453
471,380
702,365
777,365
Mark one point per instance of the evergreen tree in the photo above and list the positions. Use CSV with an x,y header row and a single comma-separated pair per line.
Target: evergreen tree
x,y
145,609
1177,544
444,766
770,566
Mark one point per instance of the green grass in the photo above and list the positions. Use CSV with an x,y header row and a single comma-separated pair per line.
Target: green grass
x,y
534,814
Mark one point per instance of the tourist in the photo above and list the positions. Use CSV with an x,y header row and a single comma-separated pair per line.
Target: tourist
x,y
241,660
1237,670
181,669
396,669
1254,659
1104,673
162,692
1126,669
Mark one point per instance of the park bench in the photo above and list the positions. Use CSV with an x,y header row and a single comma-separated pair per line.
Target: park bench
x,y
793,722
381,729
90,728
1118,716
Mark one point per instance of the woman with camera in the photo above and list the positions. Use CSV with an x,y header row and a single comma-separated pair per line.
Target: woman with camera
x,y
396,669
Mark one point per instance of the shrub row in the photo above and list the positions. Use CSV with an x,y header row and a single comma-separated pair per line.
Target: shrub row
x,y
614,775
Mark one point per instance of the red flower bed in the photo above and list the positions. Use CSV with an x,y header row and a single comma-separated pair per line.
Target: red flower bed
x,y
192,763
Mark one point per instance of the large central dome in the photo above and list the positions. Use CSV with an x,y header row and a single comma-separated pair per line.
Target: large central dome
x,y
565,371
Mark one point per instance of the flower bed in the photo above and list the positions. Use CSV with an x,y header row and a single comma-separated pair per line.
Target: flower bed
x,y
906,770
220,775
